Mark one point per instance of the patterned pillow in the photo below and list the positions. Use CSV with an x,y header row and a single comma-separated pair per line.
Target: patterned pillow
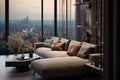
x,y
58,46
48,42
73,49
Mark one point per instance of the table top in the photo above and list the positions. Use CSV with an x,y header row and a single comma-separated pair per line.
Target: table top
x,y
13,60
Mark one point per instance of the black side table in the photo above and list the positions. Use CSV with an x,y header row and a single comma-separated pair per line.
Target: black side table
x,y
96,70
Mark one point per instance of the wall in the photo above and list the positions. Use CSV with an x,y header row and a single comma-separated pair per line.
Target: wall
x,y
88,17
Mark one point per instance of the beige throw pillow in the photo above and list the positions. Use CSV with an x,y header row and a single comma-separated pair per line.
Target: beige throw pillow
x,y
58,46
86,49
48,42
73,49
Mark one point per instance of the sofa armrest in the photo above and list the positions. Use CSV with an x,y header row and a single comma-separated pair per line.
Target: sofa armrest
x,y
95,58
38,44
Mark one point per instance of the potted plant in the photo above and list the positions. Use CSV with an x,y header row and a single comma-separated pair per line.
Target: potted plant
x,y
14,43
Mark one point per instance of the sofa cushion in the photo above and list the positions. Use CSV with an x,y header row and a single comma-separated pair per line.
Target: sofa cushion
x,y
53,54
55,38
59,67
58,46
48,42
66,41
55,42
86,49
74,42
73,49
42,50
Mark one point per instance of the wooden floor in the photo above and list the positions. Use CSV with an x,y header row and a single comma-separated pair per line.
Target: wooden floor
x,y
13,73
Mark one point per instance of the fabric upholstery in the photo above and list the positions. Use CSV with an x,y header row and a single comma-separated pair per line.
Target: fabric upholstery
x,y
58,46
42,50
48,53
86,49
55,38
66,41
53,54
59,63
74,42
48,42
73,49
59,67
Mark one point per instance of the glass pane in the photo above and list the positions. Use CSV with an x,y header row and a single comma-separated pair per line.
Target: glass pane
x,y
66,18
59,18
24,19
2,26
61,15
71,19
48,18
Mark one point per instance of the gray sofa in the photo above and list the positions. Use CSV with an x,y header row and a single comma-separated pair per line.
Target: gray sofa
x,y
58,63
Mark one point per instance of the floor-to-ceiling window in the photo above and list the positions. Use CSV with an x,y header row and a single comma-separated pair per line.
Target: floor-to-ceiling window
x,y
61,22
33,21
71,19
48,18
66,18
2,26
24,19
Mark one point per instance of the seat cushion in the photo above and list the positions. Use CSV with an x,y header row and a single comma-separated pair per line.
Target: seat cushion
x,y
42,50
59,67
53,54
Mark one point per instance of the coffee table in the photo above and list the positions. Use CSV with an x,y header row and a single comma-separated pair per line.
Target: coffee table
x,y
12,60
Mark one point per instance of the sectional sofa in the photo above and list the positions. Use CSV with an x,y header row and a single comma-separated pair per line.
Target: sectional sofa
x,y
69,61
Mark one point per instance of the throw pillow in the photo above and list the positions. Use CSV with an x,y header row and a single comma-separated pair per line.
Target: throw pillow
x,y
48,42
58,46
66,41
73,49
85,50
55,42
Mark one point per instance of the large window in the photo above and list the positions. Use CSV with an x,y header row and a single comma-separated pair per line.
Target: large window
x,y
48,18
24,19
61,9
66,18
71,19
2,26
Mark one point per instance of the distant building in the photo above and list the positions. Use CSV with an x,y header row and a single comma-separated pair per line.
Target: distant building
x,y
25,21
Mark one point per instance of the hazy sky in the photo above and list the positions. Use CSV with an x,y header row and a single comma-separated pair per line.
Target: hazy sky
x,y
18,9
2,9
